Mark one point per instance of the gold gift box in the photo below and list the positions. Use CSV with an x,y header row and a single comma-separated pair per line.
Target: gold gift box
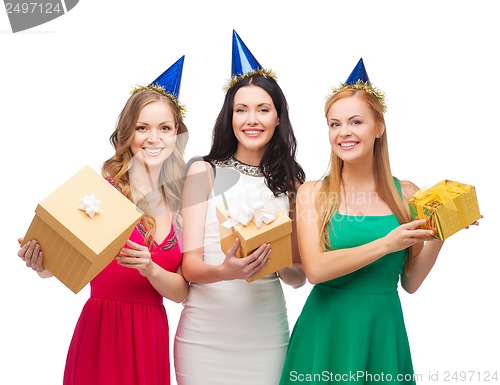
x,y
277,233
75,246
449,205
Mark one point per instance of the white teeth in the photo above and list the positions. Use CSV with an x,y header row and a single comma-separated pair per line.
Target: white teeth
x,y
152,151
347,144
252,132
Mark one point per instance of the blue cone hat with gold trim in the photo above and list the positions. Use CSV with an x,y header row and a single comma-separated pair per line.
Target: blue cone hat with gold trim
x,y
168,83
359,80
358,74
244,64
170,80
243,60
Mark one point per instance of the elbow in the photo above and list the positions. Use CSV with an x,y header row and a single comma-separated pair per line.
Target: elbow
x,y
409,287
314,277
410,290
180,298
313,280
299,282
182,295
188,272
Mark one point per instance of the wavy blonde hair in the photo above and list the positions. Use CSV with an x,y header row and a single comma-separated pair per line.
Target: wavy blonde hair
x,y
328,198
172,173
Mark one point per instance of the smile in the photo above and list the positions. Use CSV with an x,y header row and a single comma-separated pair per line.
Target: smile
x,y
253,132
152,151
348,145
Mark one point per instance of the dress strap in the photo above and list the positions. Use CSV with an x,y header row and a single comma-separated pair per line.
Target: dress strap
x,y
397,183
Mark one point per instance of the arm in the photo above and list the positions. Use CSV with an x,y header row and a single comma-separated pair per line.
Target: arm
x,y
195,195
170,285
321,265
422,256
294,275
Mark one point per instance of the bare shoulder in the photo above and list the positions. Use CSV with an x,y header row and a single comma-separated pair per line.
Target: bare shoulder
x,y
198,167
309,187
308,192
408,188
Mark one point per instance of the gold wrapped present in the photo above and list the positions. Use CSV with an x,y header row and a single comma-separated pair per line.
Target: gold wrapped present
x,y
277,233
449,205
81,227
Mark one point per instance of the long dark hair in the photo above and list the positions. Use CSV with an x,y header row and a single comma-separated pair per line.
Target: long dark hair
x,y
280,168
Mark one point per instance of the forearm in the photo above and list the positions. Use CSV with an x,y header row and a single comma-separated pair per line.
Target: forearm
x,y
293,275
170,285
324,266
421,265
197,271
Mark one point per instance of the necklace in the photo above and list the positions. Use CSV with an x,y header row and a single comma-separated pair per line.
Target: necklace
x,y
244,168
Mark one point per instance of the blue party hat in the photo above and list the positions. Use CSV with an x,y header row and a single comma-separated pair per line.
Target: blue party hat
x,y
244,64
170,80
359,80
168,84
358,74
243,60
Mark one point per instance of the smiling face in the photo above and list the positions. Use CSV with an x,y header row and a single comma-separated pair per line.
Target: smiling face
x,y
155,134
353,129
254,121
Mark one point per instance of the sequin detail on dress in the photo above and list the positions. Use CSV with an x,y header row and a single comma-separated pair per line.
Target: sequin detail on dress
x,y
244,168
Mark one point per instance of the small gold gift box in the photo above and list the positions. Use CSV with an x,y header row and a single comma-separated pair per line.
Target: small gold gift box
x,y
449,205
78,244
277,233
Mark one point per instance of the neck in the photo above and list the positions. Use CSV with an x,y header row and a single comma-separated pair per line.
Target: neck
x,y
249,157
358,175
144,179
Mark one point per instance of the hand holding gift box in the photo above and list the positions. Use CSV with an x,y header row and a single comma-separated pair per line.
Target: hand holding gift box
x,y
255,219
450,206
81,227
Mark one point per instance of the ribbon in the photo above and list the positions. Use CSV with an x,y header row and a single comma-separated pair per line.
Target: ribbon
x,y
90,205
244,205
441,194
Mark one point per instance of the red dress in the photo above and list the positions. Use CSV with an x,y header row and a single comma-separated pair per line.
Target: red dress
x,y
122,337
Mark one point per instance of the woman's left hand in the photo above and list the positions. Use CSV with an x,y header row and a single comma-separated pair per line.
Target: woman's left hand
x,y
135,256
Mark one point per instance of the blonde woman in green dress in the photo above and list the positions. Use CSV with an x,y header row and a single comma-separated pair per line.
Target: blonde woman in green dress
x,y
359,245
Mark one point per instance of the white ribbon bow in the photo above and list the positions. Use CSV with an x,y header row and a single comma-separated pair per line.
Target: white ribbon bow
x,y
244,205
90,205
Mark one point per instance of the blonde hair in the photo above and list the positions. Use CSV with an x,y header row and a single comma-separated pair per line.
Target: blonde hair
x,y
172,173
327,202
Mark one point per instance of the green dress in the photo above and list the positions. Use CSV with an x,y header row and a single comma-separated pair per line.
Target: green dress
x,y
351,329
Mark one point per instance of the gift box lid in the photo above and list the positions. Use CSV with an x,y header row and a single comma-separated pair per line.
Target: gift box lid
x,y
251,236
90,236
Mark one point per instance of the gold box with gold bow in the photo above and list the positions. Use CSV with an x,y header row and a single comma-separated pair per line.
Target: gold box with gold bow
x,y
81,227
449,205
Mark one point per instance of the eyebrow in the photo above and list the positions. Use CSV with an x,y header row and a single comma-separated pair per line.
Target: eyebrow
x,y
351,117
146,124
258,105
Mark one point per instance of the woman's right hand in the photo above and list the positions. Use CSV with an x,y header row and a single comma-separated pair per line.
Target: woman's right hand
x,y
31,254
246,267
406,235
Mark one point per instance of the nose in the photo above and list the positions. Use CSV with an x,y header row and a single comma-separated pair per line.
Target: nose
x,y
345,130
153,136
252,119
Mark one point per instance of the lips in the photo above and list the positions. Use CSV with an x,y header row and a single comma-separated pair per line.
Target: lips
x,y
252,132
348,145
152,151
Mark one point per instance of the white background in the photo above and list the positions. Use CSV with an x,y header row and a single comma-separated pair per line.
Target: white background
x,y
63,84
